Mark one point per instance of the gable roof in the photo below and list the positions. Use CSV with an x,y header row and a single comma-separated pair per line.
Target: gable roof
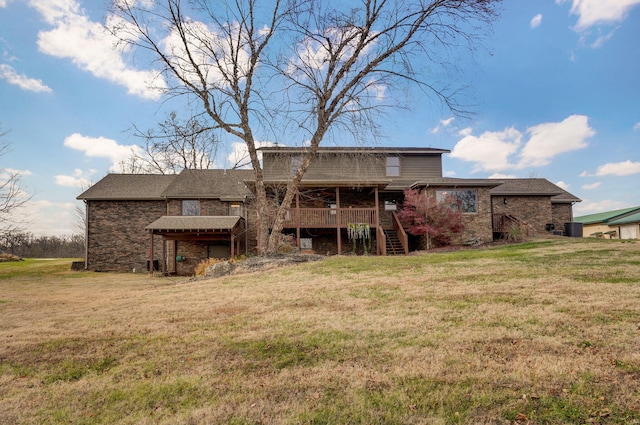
x,y
193,223
227,185
628,219
355,149
120,187
607,216
456,182
534,187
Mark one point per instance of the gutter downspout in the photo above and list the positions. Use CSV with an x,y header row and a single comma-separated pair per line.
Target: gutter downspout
x,y
86,235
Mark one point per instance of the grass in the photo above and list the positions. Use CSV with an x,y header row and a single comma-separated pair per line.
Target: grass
x,y
541,332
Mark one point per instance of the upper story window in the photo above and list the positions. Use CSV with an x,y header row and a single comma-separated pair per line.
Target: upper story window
x,y
393,166
296,161
190,207
465,201
235,209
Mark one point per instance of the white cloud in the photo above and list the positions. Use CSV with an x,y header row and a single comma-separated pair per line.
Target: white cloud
x,y
636,126
588,206
499,176
443,124
550,139
48,218
625,168
22,81
490,151
89,46
101,147
562,184
536,21
493,151
79,179
239,155
6,173
598,12
202,41
591,186
4,3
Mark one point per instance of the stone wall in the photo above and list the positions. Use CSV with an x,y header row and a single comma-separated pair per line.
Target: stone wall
x,y
475,226
534,210
192,253
117,239
561,213
211,207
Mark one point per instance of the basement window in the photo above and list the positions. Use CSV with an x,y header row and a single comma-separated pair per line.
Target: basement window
x,y
190,207
465,201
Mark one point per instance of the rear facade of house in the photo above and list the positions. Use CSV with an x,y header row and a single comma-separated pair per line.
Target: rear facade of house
x,y
171,223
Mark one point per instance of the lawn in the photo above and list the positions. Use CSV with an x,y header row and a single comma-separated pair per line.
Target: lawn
x,y
542,332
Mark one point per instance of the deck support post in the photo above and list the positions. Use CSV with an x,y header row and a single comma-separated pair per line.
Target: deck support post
x,y
338,223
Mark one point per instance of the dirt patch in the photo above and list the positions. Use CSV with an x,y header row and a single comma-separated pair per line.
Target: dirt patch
x,y
255,264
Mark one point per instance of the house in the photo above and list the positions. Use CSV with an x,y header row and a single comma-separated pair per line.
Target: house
x,y
622,224
171,223
184,218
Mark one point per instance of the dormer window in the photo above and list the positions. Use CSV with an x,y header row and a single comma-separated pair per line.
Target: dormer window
x,y
393,166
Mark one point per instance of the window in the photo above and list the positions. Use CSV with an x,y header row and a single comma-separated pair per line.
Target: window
x,y
393,166
190,207
296,161
235,209
463,200
390,206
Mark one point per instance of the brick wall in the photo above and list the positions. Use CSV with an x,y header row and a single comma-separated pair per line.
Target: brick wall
x,y
534,210
476,225
561,213
117,240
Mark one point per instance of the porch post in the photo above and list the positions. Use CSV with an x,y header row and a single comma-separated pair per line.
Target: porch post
x,y
297,215
338,221
164,256
233,244
376,218
151,253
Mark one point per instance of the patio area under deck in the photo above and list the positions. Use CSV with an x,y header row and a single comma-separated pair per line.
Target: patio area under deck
x,y
337,217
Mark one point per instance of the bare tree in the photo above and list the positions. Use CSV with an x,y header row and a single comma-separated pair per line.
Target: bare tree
x,y
302,68
12,196
173,146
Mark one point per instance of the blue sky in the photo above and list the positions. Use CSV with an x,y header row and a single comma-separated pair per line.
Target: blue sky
x,y
555,93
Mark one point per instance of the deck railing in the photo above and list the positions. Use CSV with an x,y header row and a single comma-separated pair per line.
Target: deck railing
x,y
328,217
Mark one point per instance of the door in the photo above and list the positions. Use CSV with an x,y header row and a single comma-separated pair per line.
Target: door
x,y
219,250
629,232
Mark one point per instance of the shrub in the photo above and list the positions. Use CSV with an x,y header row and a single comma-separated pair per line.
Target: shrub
x,y
4,257
201,268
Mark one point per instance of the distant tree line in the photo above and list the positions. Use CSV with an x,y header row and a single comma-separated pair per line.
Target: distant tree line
x,y
25,244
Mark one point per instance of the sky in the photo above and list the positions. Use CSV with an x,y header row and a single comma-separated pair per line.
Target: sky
x,y
554,93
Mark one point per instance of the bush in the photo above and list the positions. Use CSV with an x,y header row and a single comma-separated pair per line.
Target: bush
x,y
4,257
201,268
517,232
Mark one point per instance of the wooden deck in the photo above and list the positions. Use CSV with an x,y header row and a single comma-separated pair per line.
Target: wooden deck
x,y
328,218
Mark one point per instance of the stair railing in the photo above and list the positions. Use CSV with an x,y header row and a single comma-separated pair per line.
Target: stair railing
x,y
382,241
402,235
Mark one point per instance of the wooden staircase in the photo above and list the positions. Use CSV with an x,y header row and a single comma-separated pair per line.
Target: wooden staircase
x,y
394,246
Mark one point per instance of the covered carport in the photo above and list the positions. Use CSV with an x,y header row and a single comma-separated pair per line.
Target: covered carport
x,y
218,231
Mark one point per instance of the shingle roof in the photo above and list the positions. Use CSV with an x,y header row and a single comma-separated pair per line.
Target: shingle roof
x,y
456,182
606,217
193,223
529,187
224,184
356,149
128,187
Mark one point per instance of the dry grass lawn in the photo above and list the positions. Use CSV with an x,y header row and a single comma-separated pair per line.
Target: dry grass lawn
x,y
542,332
